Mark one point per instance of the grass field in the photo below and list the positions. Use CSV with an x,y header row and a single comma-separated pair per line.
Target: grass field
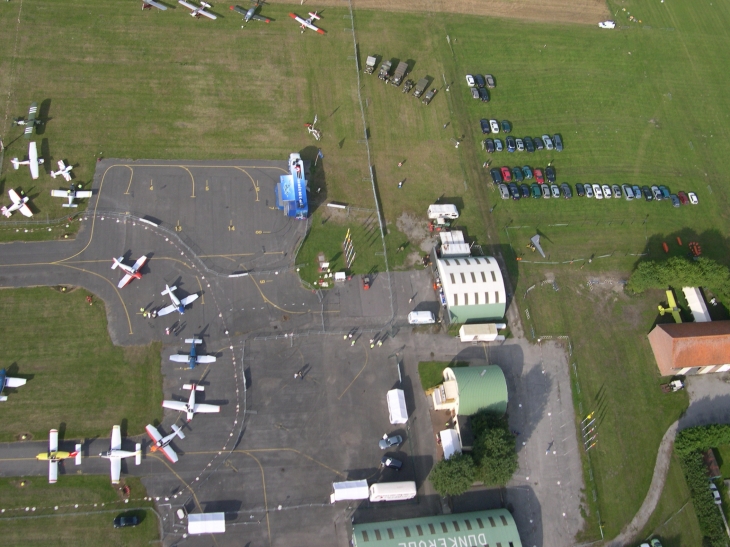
x,y
62,346
98,504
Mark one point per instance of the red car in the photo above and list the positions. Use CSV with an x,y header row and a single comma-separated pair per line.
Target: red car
x,y
506,174
683,199
538,176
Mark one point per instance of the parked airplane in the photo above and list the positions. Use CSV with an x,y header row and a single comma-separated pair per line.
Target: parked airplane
x,y
71,194
197,11
33,162
307,24
190,407
53,456
19,204
31,122
163,443
251,12
116,454
147,4
132,272
6,381
193,358
63,170
177,304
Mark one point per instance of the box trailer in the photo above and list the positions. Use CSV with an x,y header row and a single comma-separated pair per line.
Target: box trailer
x,y
483,332
393,491
397,411
446,210
207,523
349,490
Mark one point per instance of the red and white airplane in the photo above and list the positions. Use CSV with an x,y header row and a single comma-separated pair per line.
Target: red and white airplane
x,y
33,162
53,456
19,204
163,443
191,408
63,170
307,23
71,194
116,454
197,11
132,272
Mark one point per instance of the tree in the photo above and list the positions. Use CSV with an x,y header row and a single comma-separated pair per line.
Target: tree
x,y
453,476
495,457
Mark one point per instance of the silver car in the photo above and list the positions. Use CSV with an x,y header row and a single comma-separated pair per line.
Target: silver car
x,y
545,191
548,142
616,191
555,190
520,145
657,193
606,190
503,191
628,192
388,442
589,190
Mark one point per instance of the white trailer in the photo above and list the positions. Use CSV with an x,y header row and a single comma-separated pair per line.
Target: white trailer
x,y
446,210
349,490
393,491
207,523
483,332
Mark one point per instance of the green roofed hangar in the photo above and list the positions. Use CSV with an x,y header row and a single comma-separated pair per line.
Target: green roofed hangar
x,y
467,390
495,528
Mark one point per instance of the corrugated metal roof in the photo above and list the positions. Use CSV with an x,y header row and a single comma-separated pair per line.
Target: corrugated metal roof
x,y
477,528
480,388
474,288
686,345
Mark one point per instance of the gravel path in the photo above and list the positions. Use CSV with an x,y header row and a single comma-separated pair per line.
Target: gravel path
x,y
631,530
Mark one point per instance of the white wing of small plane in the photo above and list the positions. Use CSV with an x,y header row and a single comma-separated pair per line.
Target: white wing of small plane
x,y
116,469
15,382
188,299
206,408
116,438
203,359
169,309
53,464
179,358
17,200
155,4
33,157
175,405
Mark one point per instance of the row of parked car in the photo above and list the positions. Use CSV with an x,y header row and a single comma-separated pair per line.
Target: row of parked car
x,y
525,144
505,174
547,190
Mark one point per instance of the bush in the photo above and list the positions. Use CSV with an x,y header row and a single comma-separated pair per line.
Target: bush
x,y
701,438
708,514
454,476
681,272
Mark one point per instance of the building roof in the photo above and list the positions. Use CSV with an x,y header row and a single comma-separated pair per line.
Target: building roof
x,y
685,345
493,527
480,388
473,287
696,304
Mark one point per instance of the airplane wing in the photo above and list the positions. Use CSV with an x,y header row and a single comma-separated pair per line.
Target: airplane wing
x,y
187,5
202,359
175,405
179,358
206,408
260,18
14,197
140,261
156,4
169,309
52,471
126,279
15,382
53,441
188,299
153,433
81,194
670,299
208,15
33,158
116,469
25,210
116,439
169,453
60,193
61,165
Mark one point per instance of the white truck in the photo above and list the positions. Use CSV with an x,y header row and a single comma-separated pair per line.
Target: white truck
x,y
445,210
393,491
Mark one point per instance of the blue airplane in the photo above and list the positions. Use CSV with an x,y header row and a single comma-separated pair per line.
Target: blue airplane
x,y
6,381
193,358
177,304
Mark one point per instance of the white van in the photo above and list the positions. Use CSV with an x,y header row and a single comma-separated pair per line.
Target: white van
x,y
445,210
392,491
421,318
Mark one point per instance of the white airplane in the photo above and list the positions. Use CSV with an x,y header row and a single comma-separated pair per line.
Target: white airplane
x,y
147,4
193,358
607,24
116,454
197,11
163,443
132,272
63,170
177,304
190,407
19,204
6,381
53,456
307,23
33,162
71,194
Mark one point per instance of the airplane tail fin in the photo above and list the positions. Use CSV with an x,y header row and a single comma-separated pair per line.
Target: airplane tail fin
x,y
117,262
78,454
168,290
178,431
69,205
16,163
191,386
138,454
193,341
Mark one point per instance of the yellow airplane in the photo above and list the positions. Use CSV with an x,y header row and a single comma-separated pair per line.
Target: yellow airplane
x,y
53,456
673,308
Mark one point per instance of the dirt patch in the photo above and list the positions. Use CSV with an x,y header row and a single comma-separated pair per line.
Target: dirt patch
x,y
565,11
416,230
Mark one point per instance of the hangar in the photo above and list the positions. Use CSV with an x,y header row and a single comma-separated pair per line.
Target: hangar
x,y
467,390
495,527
